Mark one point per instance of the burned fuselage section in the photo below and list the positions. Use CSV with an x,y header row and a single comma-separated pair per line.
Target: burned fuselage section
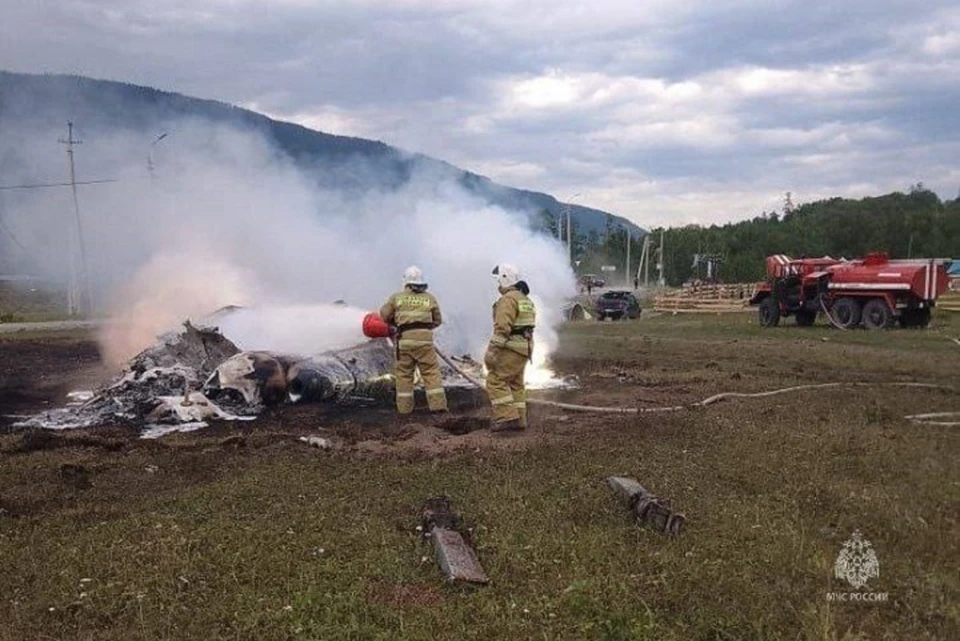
x,y
262,378
253,379
362,374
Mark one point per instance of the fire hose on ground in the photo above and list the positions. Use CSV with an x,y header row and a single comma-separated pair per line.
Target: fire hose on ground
x,y
375,327
829,315
716,398
928,418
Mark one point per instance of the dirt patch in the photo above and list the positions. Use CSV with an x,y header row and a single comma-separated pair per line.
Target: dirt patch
x,y
38,373
460,425
75,476
401,597
15,509
195,467
34,440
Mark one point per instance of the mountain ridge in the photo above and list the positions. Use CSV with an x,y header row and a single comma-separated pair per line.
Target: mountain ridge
x,y
81,98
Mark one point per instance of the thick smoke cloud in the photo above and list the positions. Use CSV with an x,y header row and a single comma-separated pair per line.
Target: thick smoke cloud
x,y
226,219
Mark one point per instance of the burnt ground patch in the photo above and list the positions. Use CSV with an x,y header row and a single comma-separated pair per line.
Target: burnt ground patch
x,y
37,373
460,425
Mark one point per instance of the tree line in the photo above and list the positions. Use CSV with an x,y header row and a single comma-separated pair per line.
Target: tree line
x,y
916,224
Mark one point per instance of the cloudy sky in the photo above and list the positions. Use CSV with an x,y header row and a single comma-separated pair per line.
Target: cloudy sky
x,y
664,111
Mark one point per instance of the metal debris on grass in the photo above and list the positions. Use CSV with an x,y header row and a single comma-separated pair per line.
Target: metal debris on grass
x,y
646,508
456,558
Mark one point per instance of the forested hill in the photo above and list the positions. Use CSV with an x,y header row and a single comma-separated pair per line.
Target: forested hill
x,y
348,163
911,225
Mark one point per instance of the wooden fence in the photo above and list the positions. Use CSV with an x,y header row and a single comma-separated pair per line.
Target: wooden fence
x,y
733,297
950,301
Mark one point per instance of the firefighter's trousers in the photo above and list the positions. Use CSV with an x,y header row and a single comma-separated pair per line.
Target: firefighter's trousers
x,y
421,355
505,388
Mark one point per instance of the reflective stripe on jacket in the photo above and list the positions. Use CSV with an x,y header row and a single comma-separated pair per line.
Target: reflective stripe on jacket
x,y
514,317
409,307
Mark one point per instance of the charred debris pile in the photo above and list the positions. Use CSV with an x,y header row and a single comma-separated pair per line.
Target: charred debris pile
x,y
190,377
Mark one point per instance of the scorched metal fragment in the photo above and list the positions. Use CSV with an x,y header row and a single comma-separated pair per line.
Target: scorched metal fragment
x,y
646,508
454,555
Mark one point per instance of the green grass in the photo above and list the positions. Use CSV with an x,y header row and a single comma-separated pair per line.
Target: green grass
x,y
78,334
278,541
24,305
35,317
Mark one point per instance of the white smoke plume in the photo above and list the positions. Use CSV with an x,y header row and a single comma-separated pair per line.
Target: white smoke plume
x,y
293,329
228,220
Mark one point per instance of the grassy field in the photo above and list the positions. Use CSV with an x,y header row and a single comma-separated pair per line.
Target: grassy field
x,y
30,304
195,538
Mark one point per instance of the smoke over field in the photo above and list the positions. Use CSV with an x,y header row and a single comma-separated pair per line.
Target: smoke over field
x,y
225,219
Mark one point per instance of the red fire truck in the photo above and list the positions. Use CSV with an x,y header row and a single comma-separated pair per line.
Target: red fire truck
x,y
873,291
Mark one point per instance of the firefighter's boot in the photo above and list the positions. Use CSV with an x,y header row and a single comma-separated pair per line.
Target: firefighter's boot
x,y
512,425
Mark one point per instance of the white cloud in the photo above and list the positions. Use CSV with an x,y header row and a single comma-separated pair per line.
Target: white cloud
x,y
943,44
664,107
545,91
832,80
326,118
696,133
512,173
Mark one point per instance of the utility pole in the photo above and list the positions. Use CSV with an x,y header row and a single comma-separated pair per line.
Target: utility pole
x,y
150,165
73,297
626,273
660,261
569,229
646,264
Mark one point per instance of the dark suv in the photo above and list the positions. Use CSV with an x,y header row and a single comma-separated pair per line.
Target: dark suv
x,y
617,305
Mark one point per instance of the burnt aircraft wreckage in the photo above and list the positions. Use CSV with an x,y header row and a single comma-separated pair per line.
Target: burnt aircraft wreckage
x,y
196,375
360,374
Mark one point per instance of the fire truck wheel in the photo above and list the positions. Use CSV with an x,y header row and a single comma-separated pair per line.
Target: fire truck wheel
x,y
806,318
769,313
877,314
846,312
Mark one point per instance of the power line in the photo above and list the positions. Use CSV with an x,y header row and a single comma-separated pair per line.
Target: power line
x,y
42,185
27,258
6,230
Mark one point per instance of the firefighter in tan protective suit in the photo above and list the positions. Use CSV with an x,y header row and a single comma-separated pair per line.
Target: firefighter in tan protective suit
x,y
415,313
509,351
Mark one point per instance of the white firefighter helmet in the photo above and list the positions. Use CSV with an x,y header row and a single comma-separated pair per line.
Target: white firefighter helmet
x,y
413,275
506,275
